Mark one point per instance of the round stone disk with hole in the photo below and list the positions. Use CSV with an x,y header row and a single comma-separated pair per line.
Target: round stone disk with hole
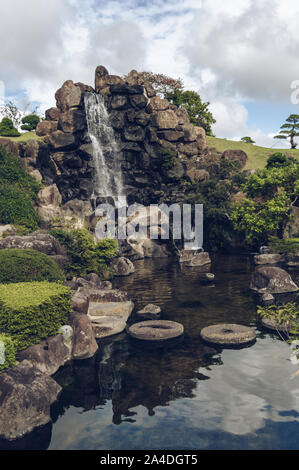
x,y
156,330
228,334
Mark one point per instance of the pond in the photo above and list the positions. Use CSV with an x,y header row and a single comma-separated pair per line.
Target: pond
x,y
184,395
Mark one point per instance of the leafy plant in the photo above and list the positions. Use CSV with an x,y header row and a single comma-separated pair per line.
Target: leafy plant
x,y
247,140
86,255
278,159
285,315
7,128
30,312
30,122
284,246
19,265
8,351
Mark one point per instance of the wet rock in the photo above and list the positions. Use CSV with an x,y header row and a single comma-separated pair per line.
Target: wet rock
x,y
123,267
271,258
268,299
85,345
200,259
48,355
156,330
26,395
150,312
265,250
106,326
186,255
273,280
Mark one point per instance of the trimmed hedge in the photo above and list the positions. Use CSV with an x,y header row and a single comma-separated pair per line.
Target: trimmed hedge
x,y
19,265
31,312
8,353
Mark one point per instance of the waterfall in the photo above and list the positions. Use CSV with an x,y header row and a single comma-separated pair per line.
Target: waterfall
x,y
106,156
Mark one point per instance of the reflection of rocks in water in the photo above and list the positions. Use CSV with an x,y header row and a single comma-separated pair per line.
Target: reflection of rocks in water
x,y
37,440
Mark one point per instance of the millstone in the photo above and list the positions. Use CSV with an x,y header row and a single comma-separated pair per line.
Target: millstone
x,y
156,330
228,334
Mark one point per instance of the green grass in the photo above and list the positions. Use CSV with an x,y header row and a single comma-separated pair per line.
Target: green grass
x,y
257,156
24,137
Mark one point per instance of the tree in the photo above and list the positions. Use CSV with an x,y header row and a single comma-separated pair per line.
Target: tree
x,y
7,128
11,111
290,130
198,111
247,140
30,122
161,83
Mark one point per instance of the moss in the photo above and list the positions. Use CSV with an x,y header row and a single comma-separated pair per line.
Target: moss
x,y
31,312
7,352
19,265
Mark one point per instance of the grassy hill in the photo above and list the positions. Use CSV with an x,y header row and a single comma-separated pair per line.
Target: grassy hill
x,y
257,156
25,137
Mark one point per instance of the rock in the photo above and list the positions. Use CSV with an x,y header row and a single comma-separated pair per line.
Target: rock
x,y
123,267
46,127
265,250
189,149
172,136
138,101
103,295
49,195
105,326
104,80
165,119
273,325
201,139
292,227
68,335
6,230
125,89
48,355
237,155
80,303
61,140
271,258
150,312
52,114
134,133
95,281
26,395
156,330
186,255
68,96
158,104
98,309
196,175
71,121
85,345
190,133
36,175
268,299
10,146
273,280
227,334
39,241
119,102
182,115
200,259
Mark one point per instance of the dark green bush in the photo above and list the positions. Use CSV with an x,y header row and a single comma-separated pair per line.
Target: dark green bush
x,y
31,312
277,160
30,122
7,352
7,128
18,190
27,266
86,255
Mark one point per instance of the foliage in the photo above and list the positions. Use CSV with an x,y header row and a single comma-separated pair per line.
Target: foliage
x,y
284,314
9,351
18,190
10,110
214,194
198,111
161,83
247,140
19,265
278,159
31,312
30,122
85,254
168,158
284,246
7,128
290,130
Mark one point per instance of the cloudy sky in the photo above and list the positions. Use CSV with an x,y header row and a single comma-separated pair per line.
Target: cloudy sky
x,y
242,56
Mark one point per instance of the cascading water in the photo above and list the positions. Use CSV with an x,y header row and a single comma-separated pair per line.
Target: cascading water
x,y
107,167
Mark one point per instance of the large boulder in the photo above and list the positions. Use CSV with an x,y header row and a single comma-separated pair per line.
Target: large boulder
x,y
38,241
200,259
165,119
48,355
123,267
85,345
73,120
268,258
26,395
68,96
235,155
46,127
272,280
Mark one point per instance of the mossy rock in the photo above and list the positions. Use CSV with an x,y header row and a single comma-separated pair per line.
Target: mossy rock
x,y
31,312
18,265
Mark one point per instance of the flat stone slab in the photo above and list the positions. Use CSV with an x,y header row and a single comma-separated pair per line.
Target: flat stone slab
x,y
105,326
228,334
156,330
121,309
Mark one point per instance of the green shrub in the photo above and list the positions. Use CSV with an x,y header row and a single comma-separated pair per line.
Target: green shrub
x,y
8,353
277,160
284,246
31,312
30,122
283,314
7,128
86,255
28,265
18,190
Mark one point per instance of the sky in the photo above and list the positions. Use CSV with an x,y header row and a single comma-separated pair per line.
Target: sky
x,y
241,56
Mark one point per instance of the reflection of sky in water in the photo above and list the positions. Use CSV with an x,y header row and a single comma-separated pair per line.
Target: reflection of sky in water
x,y
182,399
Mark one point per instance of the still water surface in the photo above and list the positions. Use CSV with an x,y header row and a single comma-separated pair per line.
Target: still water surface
x,y
184,396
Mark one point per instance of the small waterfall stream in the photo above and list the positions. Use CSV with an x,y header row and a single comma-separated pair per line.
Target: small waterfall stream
x,y
107,167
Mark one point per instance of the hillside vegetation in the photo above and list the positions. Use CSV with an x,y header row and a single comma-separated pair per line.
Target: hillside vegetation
x,y
257,156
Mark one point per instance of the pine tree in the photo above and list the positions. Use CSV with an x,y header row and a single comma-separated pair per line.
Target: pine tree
x,y
290,130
